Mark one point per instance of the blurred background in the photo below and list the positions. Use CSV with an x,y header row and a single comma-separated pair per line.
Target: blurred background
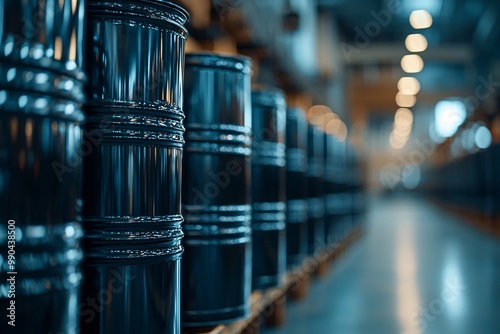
x,y
400,199
365,60
417,84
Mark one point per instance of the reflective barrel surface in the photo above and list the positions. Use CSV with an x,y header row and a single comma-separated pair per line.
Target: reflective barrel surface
x,y
41,96
316,203
216,266
330,187
268,188
296,186
132,181
340,199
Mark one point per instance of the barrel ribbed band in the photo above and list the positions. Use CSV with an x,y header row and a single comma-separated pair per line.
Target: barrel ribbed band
x,y
316,207
268,153
140,238
296,160
148,125
267,216
297,211
217,214
222,138
47,257
217,225
49,84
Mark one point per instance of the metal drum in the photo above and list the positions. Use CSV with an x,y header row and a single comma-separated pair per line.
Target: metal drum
x,y
329,187
494,150
349,178
268,188
132,181
316,204
41,96
296,186
340,200
216,266
359,197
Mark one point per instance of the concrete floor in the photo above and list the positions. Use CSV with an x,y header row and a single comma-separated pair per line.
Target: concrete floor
x,y
416,270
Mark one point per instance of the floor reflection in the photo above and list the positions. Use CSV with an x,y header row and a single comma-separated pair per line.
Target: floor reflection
x,y
407,296
417,270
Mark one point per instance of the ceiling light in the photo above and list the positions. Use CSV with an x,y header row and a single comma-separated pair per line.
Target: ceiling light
x,y
412,63
416,43
406,101
395,143
408,85
403,117
482,137
420,19
449,115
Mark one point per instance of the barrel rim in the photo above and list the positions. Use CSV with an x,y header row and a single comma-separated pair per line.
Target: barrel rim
x,y
168,11
218,316
221,60
169,4
269,96
296,113
165,4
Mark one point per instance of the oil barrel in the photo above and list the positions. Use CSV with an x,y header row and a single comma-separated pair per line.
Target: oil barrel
x,y
268,187
132,178
41,119
296,187
216,267
315,200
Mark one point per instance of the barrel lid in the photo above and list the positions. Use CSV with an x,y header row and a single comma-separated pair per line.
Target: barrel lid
x,y
171,5
272,97
153,9
219,60
295,112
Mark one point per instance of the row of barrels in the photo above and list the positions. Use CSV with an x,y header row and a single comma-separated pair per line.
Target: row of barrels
x,y
95,152
469,182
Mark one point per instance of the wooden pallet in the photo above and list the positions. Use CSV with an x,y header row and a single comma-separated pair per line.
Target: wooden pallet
x,y
269,307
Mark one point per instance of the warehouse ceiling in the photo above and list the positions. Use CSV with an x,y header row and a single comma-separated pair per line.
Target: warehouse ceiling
x,y
347,54
460,24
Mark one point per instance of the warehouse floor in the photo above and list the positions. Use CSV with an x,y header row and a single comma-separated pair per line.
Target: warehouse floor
x,y
416,270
